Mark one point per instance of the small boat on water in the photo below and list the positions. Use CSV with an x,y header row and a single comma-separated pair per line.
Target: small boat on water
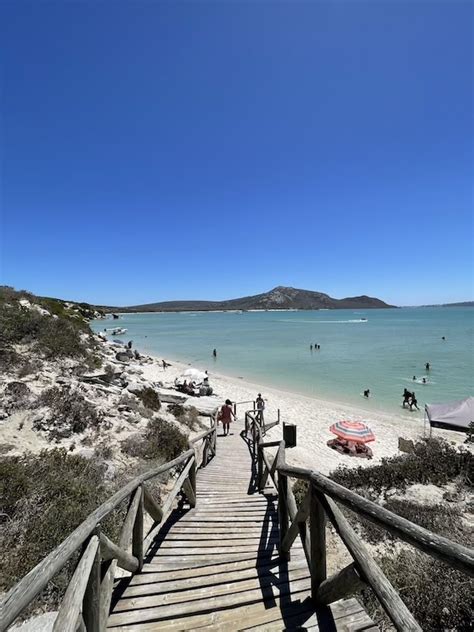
x,y
117,331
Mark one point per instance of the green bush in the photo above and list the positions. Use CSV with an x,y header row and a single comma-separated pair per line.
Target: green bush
x,y
149,398
71,412
52,337
439,597
43,498
433,461
187,416
161,441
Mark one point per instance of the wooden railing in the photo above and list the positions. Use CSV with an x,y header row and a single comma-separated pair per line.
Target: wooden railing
x,y
309,522
86,603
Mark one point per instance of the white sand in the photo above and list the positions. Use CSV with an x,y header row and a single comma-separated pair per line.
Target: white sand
x,y
312,417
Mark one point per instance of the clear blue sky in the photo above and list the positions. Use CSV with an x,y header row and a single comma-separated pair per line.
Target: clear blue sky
x,y
165,150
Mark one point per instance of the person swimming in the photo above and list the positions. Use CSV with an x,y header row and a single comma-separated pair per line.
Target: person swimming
x,y
424,380
414,378
367,393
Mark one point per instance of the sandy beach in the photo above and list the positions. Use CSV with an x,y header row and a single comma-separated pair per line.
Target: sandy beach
x,y
312,417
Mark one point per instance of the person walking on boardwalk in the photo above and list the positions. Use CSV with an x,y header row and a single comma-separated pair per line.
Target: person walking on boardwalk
x,y
226,415
260,405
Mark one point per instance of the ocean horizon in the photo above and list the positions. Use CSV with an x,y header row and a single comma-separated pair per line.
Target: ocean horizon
x,y
377,349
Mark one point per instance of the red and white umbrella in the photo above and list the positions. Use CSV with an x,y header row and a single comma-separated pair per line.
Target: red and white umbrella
x,y
355,431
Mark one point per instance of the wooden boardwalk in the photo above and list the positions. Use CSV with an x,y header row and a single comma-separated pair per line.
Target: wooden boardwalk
x,y
217,566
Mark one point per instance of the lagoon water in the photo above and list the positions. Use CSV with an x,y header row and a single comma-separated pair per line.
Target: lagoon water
x,y
382,353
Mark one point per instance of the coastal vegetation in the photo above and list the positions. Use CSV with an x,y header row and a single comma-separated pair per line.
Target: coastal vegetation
x,y
43,498
443,602
161,441
71,435
50,328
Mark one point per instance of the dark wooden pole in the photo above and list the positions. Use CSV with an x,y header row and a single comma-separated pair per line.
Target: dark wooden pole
x,y
137,535
317,526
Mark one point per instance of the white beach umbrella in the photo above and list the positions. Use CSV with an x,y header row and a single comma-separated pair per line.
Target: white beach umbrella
x,y
194,374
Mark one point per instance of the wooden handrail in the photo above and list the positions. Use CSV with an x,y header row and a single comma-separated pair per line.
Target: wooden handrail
x,y
318,506
96,592
456,555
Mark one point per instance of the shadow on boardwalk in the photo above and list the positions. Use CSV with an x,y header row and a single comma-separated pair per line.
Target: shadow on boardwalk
x,y
217,565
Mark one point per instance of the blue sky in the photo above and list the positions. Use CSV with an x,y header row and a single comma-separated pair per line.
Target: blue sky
x,y
164,150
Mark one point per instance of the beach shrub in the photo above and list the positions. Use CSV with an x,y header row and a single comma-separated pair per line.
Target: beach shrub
x,y
149,398
56,334
439,597
28,367
187,416
433,461
43,498
70,412
162,441
16,395
176,409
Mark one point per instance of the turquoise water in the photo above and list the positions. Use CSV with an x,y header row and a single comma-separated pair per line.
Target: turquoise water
x,y
382,353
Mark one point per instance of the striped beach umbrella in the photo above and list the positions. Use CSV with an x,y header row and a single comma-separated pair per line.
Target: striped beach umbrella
x,y
353,431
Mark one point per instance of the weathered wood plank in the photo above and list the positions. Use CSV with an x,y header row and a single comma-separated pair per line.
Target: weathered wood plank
x,y
142,608
151,506
453,554
163,581
342,584
110,551
369,570
317,526
146,595
91,601
137,534
71,605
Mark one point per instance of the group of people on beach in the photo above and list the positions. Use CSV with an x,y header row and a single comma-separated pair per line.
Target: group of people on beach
x,y
316,347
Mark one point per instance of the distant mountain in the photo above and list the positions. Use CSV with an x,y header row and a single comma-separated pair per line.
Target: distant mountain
x,y
278,298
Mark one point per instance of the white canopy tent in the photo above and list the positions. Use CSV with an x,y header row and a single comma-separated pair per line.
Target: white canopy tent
x,y
451,416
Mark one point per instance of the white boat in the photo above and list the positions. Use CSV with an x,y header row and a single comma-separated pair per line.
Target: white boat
x,y
118,331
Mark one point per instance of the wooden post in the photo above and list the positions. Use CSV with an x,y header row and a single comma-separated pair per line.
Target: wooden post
x,y
192,478
137,535
340,585
91,601
205,452
259,468
317,527
283,513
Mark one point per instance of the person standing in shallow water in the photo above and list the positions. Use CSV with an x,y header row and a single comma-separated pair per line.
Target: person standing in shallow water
x,y
226,415
214,353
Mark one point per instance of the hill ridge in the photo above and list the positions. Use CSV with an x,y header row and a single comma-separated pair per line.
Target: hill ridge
x,y
280,297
